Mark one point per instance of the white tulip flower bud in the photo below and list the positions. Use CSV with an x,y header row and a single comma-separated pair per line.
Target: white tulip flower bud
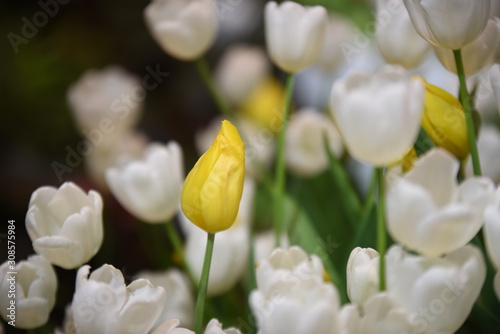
x,y
451,24
362,274
65,224
294,34
32,289
185,29
150,188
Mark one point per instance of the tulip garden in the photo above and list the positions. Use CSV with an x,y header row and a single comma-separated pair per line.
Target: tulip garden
x,y
346,181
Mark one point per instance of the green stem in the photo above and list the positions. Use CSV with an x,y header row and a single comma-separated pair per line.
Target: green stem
x,y
208,80
202,290
280,163
381,231
176,242
466,103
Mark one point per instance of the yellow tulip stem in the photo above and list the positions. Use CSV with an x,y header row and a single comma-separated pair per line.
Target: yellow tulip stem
x,y
202,288
206,76
381,228
466,103
176,242
280,164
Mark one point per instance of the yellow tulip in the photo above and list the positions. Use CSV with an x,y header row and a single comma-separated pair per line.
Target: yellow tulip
x,y
265,105
212,191
444,121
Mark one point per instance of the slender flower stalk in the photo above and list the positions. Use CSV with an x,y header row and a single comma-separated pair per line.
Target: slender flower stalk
x,y
175,240
466,102
208,80
381,228
202,291
280,163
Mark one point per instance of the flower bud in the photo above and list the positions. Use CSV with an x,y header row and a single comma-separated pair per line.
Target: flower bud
x,y
65,224
185,29
212,191
362,274
450,24
34,293
444,121
294,34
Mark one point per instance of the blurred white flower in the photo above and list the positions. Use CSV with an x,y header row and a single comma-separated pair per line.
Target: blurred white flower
x,y
231,249
102,303
488,145
305,152
185,29
450,24
129,147
65,224
362,274
476,55
294,34
291,296
397,40
105,103
34,296
264,244
428,212
439,293
150,188
241,69
378,115
339,31
380,314
179,301
495,83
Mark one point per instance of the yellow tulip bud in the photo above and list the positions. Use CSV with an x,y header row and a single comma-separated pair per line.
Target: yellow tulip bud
x,y
212,191
444,121
265,104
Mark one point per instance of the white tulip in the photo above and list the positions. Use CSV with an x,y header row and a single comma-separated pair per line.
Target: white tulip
x,y
215,327
491,237
362,274
102,303
450,24
439,293
297,307
339,31
28,296
476,55
397,40
428,212
264,244
292,265
294,34
65,224
380,314
305,152
103,103
488,145
185,29
179,301
150,188
238,62
378,115
231,249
